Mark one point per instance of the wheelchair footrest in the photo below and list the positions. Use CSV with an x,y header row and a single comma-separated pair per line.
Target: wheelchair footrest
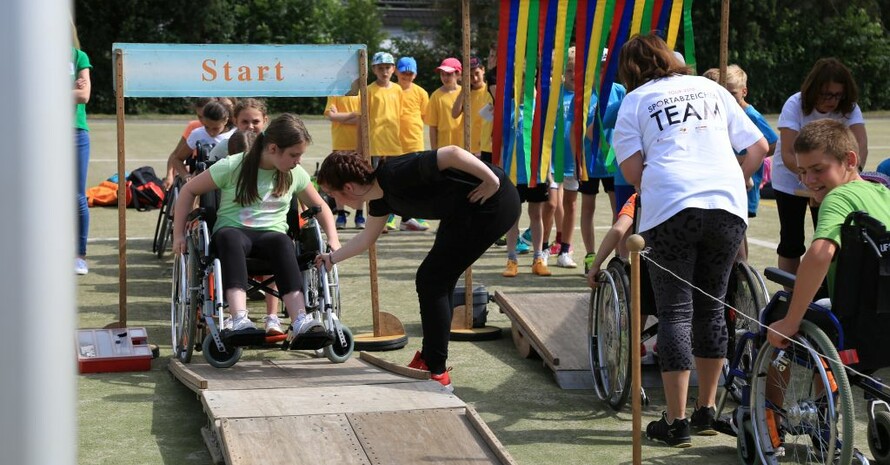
x,y
244,337
314,339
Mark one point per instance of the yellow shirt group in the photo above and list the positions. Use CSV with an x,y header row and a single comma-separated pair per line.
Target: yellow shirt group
x,y
343,136
480,133
385,108
414,107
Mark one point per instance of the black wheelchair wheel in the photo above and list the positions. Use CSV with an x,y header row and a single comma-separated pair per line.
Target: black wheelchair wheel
x,y
217,358
817,424
164,228
609,337
879,438
747,296
746,448
183,311
161,216
335,352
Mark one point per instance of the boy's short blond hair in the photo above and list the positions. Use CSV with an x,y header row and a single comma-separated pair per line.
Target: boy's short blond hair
x,y
712,74
736,78
828,136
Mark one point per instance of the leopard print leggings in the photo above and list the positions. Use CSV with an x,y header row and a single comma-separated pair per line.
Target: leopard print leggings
x,y
699,246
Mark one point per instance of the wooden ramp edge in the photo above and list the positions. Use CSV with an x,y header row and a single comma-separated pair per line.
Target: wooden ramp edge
x,y
555,326
310,411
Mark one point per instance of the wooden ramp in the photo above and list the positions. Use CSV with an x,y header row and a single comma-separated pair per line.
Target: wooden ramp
x,y
554,325
310,411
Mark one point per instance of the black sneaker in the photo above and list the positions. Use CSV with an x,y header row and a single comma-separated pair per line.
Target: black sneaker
x,y
674,435
702,421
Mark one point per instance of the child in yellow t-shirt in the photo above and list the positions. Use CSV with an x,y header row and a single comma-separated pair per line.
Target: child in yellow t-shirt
x,y
344,113
481,110
384,107
445,129
414,105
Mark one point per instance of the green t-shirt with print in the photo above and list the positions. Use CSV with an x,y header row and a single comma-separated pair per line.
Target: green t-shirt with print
x,y
267,214
80,61
853,196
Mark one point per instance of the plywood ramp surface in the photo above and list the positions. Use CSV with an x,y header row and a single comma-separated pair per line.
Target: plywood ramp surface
x,y
321,401
556,323
270,374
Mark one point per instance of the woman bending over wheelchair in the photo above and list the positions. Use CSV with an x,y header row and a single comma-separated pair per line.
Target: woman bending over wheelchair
x,y
675,140
475,202
827,164
256,189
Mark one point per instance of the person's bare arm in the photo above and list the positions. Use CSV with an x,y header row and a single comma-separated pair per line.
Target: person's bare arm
x,y
434,136
861,136
788,136
454,157
632,169
358,244
813,268
458,108
310,197
189,191
607,246
82,86
754,157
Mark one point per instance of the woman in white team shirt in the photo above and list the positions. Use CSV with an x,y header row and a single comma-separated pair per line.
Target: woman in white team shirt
x,y
675,140
828,91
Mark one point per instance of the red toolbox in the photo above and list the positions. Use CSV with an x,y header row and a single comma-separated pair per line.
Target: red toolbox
x,y
117,349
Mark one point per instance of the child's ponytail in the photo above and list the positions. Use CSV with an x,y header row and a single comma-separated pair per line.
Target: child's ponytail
x,y
284,131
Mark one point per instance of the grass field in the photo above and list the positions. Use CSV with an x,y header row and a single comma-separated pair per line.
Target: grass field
x,y
149,418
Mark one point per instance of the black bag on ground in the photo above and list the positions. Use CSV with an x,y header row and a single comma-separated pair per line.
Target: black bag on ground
x,y
147,189
480,301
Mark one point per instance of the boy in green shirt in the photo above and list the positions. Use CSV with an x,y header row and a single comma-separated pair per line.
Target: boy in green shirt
x,y
828,163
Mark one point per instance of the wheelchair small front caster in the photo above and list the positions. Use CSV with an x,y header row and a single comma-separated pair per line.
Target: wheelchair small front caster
x,y
219,359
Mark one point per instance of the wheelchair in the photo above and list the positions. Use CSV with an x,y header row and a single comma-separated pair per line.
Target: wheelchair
x,y
164,227
198,307
799,405
609,322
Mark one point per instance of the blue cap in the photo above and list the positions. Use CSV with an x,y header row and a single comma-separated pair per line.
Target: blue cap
x,y
407,65
382,58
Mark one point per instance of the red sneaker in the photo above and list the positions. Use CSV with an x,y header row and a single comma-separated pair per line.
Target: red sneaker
x,y
444,379
417,362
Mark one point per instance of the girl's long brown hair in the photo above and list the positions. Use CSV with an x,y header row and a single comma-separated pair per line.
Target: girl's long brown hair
x,y
284,131
647,57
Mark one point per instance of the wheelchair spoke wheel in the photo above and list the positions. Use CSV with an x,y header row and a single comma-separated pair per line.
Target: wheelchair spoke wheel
x,y
801,404
164,228
183,314
879,438
335,352
747,294
609,337
217,358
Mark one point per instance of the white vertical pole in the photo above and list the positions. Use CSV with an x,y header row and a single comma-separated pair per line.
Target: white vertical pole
x,y
37,236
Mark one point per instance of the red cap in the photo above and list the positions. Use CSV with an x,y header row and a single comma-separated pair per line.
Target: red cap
x,y
450,65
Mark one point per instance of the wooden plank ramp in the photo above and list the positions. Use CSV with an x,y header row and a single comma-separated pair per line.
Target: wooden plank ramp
x,y
310,411
554,325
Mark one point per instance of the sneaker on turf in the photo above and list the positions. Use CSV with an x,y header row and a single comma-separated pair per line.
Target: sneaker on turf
x,y
80,266
418,363
341,219
412,225
273,325
391,223
501,242
238,322
539,267
526,237
512,269
522,247
564,260
359,221
444,379
588,262
675,434
702,421
545,255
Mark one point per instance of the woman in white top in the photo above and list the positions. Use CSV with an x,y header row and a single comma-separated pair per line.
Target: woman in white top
x,y
828,91
675,140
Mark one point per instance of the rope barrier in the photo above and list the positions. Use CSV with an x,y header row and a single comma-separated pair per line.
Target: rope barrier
x,y
645,254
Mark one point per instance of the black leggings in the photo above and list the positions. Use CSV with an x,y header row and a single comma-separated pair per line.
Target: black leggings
x,y
234,245
792,212
462,238
700,247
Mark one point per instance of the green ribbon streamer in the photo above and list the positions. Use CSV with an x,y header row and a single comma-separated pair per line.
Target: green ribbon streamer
x,y
688,38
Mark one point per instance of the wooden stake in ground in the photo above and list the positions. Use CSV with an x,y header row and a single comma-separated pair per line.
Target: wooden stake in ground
x,y
635,244
121,194
462,319
389,333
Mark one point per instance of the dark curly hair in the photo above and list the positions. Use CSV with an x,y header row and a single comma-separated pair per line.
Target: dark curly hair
x,y
341,167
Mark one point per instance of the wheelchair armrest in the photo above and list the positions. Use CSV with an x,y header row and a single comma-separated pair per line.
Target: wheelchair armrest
x,y
310,212
780,277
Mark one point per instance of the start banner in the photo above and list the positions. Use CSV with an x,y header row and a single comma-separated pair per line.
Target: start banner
x,y
213,70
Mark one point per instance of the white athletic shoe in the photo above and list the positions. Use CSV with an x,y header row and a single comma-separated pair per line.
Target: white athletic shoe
x,y
564,260
80,266
239,322
303,324
273,325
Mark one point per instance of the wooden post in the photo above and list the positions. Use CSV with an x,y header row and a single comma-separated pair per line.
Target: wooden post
x,y
121,192
724,41
635,244
388,332
462,321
